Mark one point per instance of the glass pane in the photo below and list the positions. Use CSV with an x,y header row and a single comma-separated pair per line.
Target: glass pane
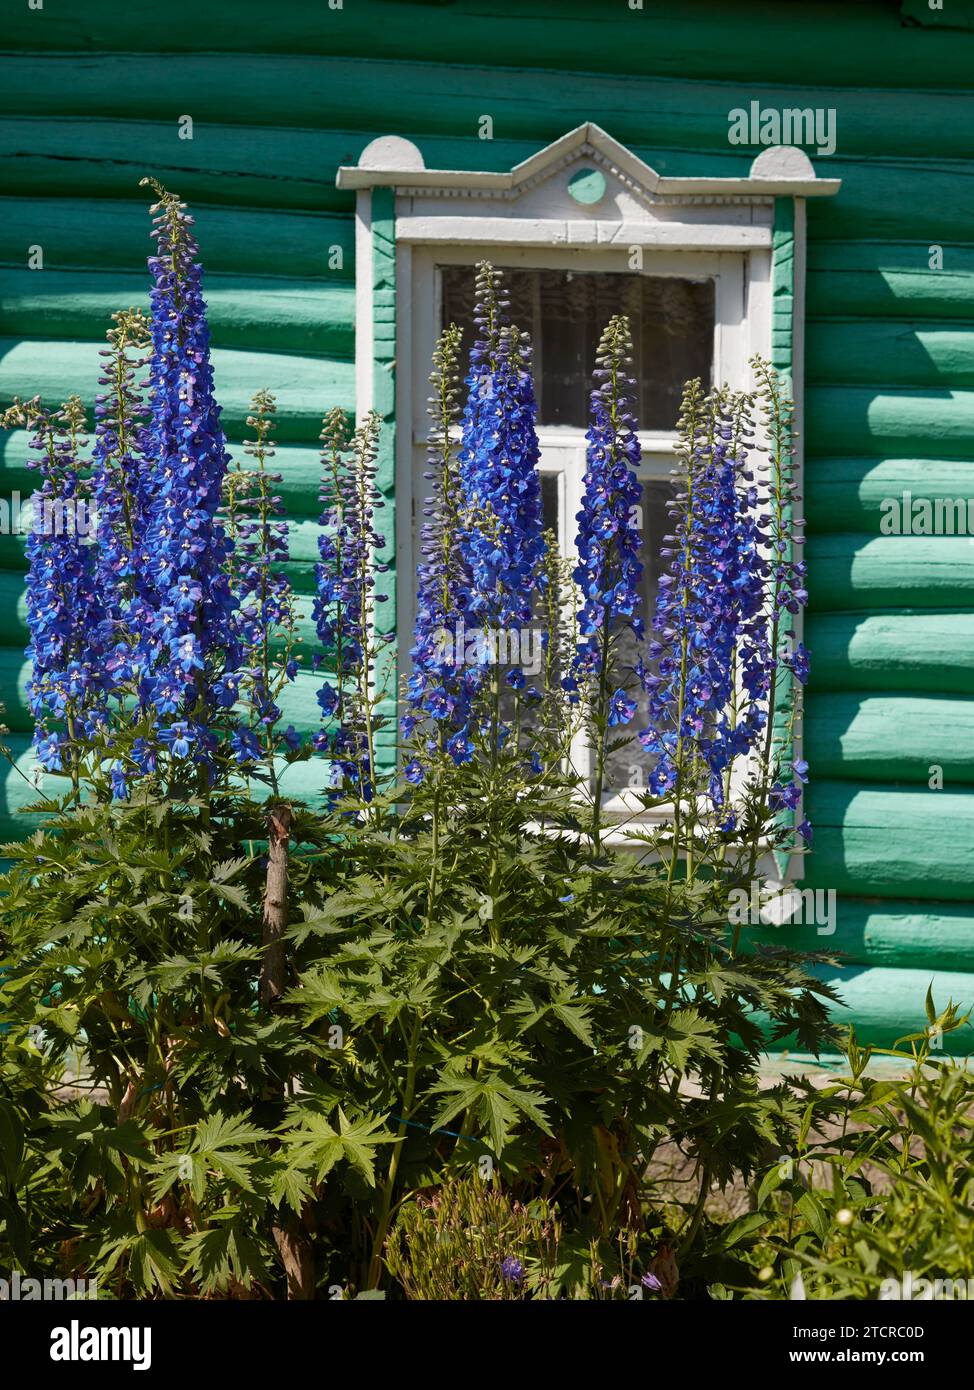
x,y
565,312
628,766
549,502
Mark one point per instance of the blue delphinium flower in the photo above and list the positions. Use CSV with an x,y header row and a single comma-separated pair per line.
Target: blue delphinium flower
x,y
723,615
264,601
608,541
712,586
785,657
65,614
184,547
501,539
344,608
512,1270
119,481
442,685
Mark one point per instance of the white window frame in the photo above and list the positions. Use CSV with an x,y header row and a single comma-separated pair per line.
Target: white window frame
x,y
718,227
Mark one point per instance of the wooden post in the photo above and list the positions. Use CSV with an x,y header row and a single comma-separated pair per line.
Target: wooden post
x,y
273,973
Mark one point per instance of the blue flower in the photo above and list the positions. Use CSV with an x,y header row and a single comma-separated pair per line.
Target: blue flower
x,y
512,1270
501,542
441,685
621,708
414,771
178,737
609,570
246,746
184,613
460,748
344,593
48,751
781,797
710,618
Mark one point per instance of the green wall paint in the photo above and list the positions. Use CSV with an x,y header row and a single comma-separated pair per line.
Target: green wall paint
x,y
281,97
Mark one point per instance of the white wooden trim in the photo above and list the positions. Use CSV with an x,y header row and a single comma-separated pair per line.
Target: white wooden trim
x,y
776,171
409,372
595,235
364,343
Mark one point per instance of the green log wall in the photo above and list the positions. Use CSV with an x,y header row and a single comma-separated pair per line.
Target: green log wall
x,y
280,95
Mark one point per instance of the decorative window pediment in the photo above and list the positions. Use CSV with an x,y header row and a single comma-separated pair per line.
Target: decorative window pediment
x,y
584,189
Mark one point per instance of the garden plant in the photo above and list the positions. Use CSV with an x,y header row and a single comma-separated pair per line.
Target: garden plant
x,y
428,1030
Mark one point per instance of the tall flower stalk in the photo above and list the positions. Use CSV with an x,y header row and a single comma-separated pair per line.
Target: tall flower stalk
x,y
65,614
441,687
189,639
608,544
119,479
264,615
345,603
501,539
779,776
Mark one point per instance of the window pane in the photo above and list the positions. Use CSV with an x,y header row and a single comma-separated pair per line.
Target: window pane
x,y
565,313
549,502
628,766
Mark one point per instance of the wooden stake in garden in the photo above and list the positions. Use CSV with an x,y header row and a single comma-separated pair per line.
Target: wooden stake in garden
x,y
273,972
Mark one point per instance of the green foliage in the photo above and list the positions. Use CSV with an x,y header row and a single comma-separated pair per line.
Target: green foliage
x,y
147,1126
884,1196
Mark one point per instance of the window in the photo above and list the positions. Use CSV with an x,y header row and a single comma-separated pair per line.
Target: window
x,y
565,311
709,269
674,325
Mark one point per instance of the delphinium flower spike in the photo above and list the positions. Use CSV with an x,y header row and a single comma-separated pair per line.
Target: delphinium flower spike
x,y
345,606
707,587
608,543
439,690
65,617
189,639
501,540
264,617
119,480
782,535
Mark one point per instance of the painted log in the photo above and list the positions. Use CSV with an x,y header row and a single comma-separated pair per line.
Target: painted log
x,y
849,570
81,231
889,352
882,421
909,651
306,387
889,279
847,494
703,41
314,91
909,935
887,1004
891,841
908,739
262,314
